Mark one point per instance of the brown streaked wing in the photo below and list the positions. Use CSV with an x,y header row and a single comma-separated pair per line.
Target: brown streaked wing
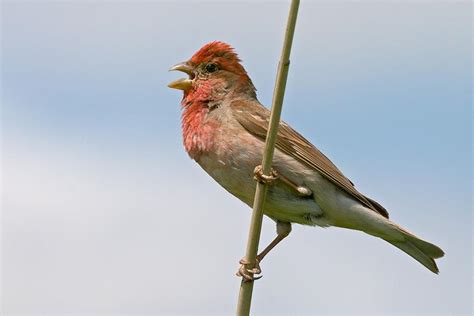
x,y
254,118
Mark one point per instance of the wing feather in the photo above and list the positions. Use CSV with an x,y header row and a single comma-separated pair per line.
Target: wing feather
x,y
254,118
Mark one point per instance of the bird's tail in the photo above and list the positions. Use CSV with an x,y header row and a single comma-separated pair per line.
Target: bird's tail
x,y
422,251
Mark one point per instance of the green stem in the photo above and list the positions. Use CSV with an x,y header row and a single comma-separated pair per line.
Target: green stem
x,y
246,288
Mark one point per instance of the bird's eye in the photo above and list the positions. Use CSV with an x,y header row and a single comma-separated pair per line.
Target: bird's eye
x,y
211,67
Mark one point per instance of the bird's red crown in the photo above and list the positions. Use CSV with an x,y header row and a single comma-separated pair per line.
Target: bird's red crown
x,y
220,53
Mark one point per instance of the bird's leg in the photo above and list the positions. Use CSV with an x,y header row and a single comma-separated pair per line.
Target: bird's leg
x,y
262,178
300,190
274,176
246,273
283,230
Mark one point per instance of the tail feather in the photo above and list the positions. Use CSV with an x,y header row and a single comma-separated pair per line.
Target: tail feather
x,y
380,226
422,251
429,249
417,254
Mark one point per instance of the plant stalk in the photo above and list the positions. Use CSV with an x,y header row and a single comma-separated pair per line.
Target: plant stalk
x,y
246,287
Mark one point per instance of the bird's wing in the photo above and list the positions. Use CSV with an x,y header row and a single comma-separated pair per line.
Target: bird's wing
x,y
255,118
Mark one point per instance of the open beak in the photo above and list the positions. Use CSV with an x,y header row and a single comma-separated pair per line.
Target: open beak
x,y
183,83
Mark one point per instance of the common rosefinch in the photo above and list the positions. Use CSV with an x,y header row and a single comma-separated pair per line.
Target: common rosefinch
x,y
224,128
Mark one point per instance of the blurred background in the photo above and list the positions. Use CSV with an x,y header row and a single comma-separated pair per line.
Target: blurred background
x,y
104,213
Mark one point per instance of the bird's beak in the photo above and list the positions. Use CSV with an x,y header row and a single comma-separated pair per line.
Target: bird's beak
x,y
183,83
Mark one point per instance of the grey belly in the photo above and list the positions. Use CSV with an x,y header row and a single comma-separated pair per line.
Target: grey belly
x,y
282,203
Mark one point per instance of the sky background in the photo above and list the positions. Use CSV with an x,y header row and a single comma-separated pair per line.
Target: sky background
x,y
103,213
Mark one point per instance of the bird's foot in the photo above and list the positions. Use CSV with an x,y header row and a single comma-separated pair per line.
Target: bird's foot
x,y
249,274
262,178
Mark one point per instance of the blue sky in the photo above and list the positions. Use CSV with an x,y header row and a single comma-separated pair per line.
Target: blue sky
x,y
103,212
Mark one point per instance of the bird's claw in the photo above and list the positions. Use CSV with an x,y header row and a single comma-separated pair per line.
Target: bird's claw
x,y
262,178
249,274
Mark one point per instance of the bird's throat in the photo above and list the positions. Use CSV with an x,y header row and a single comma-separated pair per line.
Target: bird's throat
x,y
198,133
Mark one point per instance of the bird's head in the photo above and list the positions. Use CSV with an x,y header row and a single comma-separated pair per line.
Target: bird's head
x,y
214,71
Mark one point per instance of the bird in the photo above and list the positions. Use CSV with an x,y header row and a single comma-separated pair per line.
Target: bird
x,y
224,129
